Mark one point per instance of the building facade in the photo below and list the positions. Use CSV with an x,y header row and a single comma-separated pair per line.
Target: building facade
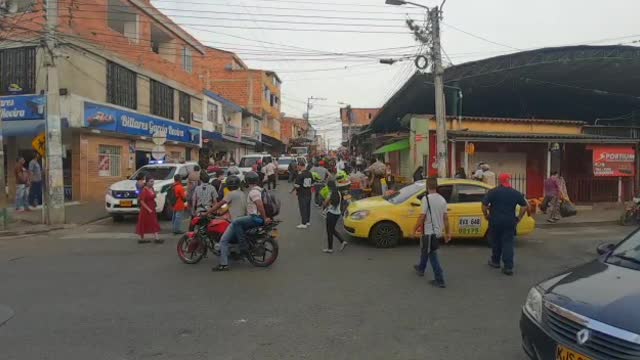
x,y
354,119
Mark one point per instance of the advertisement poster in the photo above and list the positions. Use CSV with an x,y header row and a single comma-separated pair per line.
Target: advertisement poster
x,y
104,165
614,161
131,123
22,107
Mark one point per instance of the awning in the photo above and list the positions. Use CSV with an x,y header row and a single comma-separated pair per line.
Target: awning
x,y
477,136
396,146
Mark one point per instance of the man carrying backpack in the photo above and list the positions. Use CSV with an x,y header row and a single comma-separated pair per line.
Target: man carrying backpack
x,y
176,197
256,216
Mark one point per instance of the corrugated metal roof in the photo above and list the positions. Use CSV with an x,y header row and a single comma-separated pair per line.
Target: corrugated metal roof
x,y
536,137
519,120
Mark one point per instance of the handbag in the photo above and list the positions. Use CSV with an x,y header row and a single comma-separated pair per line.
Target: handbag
x,y
567,209
545,203
430,243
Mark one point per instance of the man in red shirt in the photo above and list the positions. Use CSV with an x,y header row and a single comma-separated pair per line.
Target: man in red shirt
x,y
179,206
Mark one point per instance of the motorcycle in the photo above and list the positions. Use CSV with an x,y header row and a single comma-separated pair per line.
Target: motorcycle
x,y
632,213
262,245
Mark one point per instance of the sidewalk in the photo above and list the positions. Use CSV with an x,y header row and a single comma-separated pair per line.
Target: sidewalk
x,y
588,215
30,222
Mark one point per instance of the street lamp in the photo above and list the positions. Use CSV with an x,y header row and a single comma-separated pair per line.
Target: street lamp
x,y
403,2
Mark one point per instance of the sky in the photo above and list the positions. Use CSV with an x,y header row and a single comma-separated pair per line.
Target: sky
x,y
330,49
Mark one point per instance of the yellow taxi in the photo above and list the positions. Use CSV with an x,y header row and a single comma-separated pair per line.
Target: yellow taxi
x,y
385,220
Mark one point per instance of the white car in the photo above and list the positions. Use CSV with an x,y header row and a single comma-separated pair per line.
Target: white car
x,y
246,162
283,164
122,198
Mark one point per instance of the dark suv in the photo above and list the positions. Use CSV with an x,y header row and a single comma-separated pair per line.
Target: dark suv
x,y
591,312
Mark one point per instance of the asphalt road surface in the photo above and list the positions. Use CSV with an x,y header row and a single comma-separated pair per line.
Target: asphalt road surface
x,y
94,293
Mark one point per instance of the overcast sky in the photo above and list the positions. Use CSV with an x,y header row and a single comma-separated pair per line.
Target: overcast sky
x,y
311,63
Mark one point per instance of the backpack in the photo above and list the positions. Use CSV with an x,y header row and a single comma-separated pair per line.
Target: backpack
x,y
271,203
171,196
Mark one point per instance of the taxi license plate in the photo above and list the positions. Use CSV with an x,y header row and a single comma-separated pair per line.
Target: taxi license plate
x,y
564,353
126,203
275,234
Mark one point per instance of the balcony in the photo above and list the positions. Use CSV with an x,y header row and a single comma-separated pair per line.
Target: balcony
x,y
250,133
231,130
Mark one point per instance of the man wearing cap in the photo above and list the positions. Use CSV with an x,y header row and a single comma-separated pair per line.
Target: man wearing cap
x,y
499,208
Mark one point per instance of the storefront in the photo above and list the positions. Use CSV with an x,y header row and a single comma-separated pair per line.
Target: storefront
x,y
109,144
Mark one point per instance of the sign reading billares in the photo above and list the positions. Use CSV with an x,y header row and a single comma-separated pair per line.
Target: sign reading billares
x,y
614,161
127,122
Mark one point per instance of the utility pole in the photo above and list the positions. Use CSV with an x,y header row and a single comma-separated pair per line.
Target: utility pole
x,y
4,201
54,190
438,74
430,36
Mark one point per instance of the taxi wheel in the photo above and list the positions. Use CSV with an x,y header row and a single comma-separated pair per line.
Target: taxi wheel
x,y
385,235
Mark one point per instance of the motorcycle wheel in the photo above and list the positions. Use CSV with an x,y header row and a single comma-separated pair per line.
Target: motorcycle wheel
x,y
264,253
189,251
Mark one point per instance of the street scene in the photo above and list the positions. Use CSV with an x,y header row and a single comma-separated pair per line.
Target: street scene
x,y
297,179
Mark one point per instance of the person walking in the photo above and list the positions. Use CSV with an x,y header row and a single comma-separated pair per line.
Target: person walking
x,y
433,225
302,186
148,219
333,205
178,199
377,170
488,176
35,190
270,173
499,208
22,185
293,171
552,197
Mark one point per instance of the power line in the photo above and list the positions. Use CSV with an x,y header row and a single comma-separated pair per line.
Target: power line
x,y
303,2
479,37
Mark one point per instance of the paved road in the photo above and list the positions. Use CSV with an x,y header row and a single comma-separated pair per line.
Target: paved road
x,y
93,293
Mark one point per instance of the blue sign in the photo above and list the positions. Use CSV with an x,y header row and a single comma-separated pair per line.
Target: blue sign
x,y
23,107
131,123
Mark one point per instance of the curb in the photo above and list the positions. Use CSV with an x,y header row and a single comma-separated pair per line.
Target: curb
x,y
11,233
576,225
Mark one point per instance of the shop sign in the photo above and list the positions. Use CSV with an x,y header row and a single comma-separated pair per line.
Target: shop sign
x,y
613,161
131,123
104,165
22,107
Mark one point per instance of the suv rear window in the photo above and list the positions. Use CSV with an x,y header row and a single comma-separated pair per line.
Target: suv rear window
x,y
156,172
247,162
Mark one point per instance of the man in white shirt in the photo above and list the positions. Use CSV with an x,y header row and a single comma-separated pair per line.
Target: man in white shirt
x,y
340,164
433,225
488,176
270,173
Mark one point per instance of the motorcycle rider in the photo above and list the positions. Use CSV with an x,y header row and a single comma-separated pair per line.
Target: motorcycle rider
x,y
235,198
256,216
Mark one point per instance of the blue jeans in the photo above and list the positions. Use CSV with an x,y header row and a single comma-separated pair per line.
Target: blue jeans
x,y
35,193
502,245
431,256
22,197
176,222
237,231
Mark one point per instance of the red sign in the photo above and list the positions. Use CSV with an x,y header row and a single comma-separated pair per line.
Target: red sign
x,y
614,161
433,152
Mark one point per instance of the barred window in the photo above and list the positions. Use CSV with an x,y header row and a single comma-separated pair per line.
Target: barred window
x,y
122,86
109,160
18,75
187,60
185,108
161,99
212,112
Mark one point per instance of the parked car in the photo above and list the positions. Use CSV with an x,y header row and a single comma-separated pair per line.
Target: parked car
x,y
246,162
122,199
385,220
283,164
590,312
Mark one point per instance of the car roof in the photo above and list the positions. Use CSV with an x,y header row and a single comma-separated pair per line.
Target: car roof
x,y
255,155
170,164
450,181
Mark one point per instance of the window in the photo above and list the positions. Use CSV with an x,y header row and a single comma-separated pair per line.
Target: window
x,y
16,6
185,108
212,112
267,94
109,161
161,100
123,19
18,75
156,172
470,193
187,60
369,116
122,86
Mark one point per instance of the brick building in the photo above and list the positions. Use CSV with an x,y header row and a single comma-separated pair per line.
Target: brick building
x,y
126,72
353,119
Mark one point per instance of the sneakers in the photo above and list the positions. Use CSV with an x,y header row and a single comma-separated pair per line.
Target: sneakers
x,y
308,224
437,284
493,265
418,271
343,245
301,226
327,251
508,272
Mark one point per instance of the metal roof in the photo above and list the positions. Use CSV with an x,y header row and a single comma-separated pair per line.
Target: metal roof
x,y
580,83
479,136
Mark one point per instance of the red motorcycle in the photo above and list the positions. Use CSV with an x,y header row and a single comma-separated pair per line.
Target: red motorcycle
x,y
262,249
